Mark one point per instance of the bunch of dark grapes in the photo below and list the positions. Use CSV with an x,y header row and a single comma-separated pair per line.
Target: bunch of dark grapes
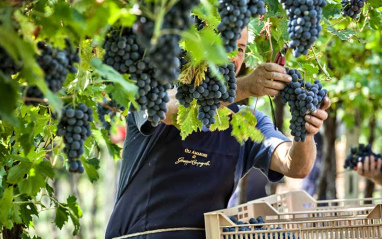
x,y
111,110
303,98
209,93
127,56
258,220
7,65
358,154
235,17
165,52
74,127
56,64
352,8
122,50
304,23
256,7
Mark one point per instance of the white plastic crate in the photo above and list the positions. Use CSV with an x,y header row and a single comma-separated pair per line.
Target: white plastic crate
x,y
294,225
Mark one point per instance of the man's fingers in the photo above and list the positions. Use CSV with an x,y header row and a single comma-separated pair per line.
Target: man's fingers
x,y
379,166
276,85
278,76
274,67
321,114
311,128
366,165
360,168
316,122
271,92
372,166
325,103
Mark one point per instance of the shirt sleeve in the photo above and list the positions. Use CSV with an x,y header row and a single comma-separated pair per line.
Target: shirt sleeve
x,y
259,155
139,118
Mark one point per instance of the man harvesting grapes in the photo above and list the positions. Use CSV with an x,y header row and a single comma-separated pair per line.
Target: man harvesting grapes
x,y
167,184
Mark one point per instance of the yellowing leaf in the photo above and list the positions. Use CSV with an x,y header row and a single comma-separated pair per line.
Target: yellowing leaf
x,y
200,73
187,74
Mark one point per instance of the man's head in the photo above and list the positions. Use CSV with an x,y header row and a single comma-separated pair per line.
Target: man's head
x,y
242,45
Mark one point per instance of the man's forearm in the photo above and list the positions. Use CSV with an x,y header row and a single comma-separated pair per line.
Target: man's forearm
x,y
295,159
302,156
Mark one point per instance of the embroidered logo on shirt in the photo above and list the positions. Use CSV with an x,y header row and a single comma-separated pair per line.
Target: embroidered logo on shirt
x,y
194,161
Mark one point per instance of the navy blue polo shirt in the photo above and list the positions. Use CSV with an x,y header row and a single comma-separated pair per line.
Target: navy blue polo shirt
x,y
167,182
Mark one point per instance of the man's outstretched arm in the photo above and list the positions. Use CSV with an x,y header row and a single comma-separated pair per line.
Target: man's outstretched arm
x,y
296,159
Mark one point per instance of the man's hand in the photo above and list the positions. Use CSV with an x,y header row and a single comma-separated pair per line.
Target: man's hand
x,y
315,120
266,79
371,169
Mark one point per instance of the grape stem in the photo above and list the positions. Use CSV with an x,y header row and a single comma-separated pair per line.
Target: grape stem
x,y
343,19
109,107
319,65
35,99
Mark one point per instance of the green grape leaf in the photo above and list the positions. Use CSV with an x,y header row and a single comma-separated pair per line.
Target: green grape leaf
x,y
45,168
75,213
8,97
123,91
375,19
222,119
207,12
32,184
273,5
283,28
205,44
375,3
114,149
5,207
332,11
16,216
27,135
61,216
256,26
342,34
244,126
95,162
308,71
2,174
17,172
187,119
90,171
26,212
